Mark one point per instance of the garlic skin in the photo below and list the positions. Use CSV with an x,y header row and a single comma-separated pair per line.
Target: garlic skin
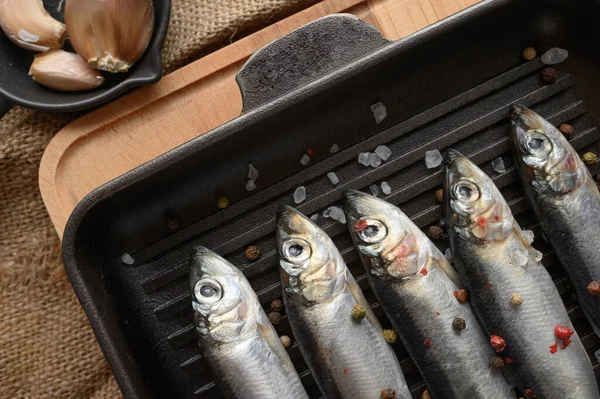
x,y
110,34
64,71
28,25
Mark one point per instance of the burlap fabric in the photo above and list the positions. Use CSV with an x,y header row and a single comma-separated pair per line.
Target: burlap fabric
x,y
47,348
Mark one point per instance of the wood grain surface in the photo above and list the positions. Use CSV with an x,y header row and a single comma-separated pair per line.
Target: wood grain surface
x,y
189,102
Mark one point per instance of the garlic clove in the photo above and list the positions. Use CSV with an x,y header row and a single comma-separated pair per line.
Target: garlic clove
x,y
64,71
111,35
28,25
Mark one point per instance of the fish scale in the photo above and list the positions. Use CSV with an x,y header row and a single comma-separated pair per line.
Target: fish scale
x,y
495,263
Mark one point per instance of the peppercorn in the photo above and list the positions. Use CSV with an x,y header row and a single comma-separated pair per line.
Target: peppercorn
x,y
252,253
529,53
275,317
530,394
516,300
427,342
277,305
566,129
563,332
172,224
549,75
222,202
497,362
388,394
435,232
589,158
359,312
594,288
439,197
461,295
310,151
390,336
459,324
285,341
498,343
425,395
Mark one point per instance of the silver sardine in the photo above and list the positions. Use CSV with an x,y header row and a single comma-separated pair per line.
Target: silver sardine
x,y
234,334
565,199
497,264
416,287
349,358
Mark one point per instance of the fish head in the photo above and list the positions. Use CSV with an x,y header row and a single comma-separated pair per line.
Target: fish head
x,y
225,306
545,157
475,208
386,239
312,268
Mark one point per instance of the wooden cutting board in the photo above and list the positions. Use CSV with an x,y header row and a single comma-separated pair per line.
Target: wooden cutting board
x,y
189,102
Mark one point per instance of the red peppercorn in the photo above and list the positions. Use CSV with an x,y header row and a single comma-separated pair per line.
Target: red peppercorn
x,y
563,332
498,343
427,342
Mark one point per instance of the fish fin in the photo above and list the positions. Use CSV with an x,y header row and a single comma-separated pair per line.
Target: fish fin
x,y
445,266
360,299
532,253
272,339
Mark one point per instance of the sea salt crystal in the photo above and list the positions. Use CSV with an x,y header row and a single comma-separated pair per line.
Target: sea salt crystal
x,y
251,185
300,194
374,160
554,56
384,152
334,148
364,158
335,213
433,159
333,178
374,190
305,159
448,255
379,112
385,187
127,259
314,217
498,165
252,172
529,236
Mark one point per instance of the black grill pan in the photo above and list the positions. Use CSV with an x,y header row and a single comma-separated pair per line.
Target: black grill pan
x,y
449,85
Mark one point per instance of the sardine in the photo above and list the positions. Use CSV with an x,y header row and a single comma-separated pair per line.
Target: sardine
x,y
416,286
496,261
348,358
234,334
565,199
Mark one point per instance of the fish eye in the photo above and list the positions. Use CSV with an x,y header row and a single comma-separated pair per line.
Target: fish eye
x,y
536,144
208,291
466,191
296,250
371,231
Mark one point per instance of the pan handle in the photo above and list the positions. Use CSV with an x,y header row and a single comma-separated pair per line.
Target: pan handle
x,y
304,55
5,106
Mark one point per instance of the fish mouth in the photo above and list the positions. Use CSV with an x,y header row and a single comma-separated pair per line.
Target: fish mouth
x,y
357,204
292,222
523,119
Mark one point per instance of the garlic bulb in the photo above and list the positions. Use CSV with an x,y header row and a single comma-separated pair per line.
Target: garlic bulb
x,y
110,34
64,71
28,25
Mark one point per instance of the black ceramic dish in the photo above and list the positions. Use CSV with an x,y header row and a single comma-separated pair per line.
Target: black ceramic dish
x,y
17,87
449,85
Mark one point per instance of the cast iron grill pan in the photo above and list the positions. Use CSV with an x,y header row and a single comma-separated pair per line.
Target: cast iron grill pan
x,y
447,86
